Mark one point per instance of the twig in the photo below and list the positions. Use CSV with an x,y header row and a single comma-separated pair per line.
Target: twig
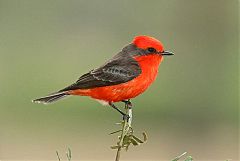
x,y
178,157
69,154
126,127
58,156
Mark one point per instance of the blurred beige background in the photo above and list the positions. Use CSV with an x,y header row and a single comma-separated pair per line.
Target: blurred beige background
x,y
193,105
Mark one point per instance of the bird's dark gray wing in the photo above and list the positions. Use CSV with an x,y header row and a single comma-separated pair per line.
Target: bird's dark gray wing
x,y
119,70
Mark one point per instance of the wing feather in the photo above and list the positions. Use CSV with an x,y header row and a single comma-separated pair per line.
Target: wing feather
x,y
115,71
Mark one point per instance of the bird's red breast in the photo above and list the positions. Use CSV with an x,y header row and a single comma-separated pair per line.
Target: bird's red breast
x,y
149,65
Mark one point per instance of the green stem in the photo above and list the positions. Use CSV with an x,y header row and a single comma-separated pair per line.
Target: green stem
x,y
125,129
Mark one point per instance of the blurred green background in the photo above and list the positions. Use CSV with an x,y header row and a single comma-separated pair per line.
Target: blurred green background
x,y
193,105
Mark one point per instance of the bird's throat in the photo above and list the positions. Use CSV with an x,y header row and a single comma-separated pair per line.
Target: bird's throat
x,y
149,65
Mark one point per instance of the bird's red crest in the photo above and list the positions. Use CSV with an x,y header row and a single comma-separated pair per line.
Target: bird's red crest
x,y
145,42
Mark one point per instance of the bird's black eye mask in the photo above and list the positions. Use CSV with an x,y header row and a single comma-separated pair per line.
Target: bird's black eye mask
x,y
133,50
151,50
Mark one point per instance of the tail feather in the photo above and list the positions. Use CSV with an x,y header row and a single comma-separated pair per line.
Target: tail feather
x,y
51,98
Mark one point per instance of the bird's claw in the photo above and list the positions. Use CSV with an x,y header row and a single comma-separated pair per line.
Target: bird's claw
x,y
128,103
126,117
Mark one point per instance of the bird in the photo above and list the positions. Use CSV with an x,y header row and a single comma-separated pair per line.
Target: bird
x,y
123,77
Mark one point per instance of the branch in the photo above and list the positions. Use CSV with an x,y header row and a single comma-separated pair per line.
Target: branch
x,y
127,138
125,130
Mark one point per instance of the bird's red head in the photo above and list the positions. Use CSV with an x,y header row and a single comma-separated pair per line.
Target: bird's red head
x,y
145,42
150,45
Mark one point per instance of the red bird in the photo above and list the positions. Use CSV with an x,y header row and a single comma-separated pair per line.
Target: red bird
x,y
125,76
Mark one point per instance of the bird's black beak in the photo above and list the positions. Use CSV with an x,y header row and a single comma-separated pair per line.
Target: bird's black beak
x,y
168,53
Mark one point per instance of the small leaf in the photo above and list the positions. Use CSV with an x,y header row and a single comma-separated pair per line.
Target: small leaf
x,y
145,136
115,147
59,159
127,146
137,139
134,142
178,157
69,154
189,158
120,123
126,139
115,132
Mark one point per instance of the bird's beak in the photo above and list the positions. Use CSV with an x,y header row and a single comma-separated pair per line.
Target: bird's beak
x,y
168,53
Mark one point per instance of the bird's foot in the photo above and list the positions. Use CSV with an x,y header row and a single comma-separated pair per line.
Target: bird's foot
x,y
126,117
128,103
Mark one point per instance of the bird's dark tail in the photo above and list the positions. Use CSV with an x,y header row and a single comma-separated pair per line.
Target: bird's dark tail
x,y
51,98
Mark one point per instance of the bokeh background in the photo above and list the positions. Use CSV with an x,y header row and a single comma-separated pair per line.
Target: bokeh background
x,y
193,105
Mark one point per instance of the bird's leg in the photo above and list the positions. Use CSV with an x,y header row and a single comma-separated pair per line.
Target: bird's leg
x,y
127,103
125,116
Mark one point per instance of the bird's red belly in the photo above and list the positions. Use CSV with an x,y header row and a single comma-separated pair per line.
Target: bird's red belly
x,y
149,65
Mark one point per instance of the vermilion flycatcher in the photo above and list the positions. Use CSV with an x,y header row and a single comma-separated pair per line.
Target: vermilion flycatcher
x,y
125,76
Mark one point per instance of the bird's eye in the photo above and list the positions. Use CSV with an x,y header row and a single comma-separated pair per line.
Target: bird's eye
x,y
151,50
